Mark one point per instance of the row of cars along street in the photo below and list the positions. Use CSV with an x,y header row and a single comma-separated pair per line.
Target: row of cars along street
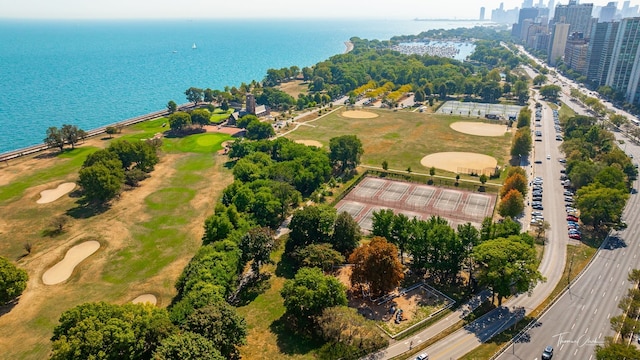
x,y
573,226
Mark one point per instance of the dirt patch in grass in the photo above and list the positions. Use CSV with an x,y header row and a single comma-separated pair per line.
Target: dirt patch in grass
x,y
294,88
310,143
479,128
359,114
455,161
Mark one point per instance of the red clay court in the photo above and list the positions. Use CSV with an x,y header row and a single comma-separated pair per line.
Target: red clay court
x,y
415,200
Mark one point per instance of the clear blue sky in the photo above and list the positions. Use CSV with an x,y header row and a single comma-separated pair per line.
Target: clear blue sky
x,y
193,9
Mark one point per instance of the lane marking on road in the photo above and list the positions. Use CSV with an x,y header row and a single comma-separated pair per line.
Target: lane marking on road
x,y
595,312
616,299
618,266
604,293
572,326
591,291
600,335
575,352
586,330
582,308
610,280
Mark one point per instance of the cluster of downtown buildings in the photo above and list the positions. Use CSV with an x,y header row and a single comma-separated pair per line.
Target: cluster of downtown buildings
x,y
600,43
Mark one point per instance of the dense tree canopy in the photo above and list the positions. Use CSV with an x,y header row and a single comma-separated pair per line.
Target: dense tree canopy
x,y
13,281
107,331
507,265
310,292
194,95
187,346
220,324
346,151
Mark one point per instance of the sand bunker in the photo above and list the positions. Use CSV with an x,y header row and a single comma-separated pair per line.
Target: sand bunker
x,y
459,162
478,128
310,143
358,114
74,256
145,298
47,196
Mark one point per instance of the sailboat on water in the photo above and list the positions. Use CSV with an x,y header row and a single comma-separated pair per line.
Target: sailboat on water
x,y
194,46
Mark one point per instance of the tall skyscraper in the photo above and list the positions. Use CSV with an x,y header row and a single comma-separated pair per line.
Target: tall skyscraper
x,y
552,8
607,13
482,13
603,36
624,72
578,16
558,42
527,4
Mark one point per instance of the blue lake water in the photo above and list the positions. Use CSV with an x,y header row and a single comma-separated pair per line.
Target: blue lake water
x,y
93,73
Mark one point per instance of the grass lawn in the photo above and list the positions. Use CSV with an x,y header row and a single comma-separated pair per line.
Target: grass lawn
x,y
220,115
404,138
147,235
267,337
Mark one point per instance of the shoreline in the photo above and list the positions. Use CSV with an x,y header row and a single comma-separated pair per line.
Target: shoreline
x,y
28,150
349,46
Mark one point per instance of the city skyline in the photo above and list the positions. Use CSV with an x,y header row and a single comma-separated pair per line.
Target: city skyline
x,y
199,9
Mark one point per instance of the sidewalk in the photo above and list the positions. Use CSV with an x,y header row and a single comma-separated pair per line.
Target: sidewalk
x,y
402,346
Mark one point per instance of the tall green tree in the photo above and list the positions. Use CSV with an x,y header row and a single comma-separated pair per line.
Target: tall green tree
x,y
257,245
600,206
200,117
507,265
187,346
70,134
310,292
179,121
102,181
13,281
346,234
194,95
345,151
221,324
54,138
310,225
320,255
172,106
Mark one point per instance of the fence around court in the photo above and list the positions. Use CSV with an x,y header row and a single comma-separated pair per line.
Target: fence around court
x,y
469,171
422,209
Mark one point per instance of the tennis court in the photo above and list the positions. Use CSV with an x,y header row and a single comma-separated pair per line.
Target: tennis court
x,y
415,200
472,109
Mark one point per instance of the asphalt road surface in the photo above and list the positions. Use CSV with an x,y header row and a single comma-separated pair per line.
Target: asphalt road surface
x,y
551,266
580,319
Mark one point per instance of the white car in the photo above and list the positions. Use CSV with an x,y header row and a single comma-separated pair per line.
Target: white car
x,y
422,357
548,157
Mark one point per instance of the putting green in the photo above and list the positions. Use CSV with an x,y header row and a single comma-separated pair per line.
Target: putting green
x,y
202,143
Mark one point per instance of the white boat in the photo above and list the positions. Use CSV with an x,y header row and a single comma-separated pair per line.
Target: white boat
x,y
194,46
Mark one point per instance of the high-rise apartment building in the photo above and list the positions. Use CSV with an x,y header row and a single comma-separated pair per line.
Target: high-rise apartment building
x,y
559,37
482,13
575,52
624,72
603,36
608,12
578,16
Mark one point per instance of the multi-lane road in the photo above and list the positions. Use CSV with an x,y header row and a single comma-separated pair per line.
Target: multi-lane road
x,y
580,319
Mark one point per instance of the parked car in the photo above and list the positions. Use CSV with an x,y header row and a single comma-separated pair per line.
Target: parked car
x,y
572,218
424,356
575,236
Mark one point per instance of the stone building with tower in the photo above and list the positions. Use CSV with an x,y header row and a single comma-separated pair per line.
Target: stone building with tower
x,y
250,108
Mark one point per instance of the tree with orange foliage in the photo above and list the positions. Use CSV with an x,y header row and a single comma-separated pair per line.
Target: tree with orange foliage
x,y
516,181
512,204
378,265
